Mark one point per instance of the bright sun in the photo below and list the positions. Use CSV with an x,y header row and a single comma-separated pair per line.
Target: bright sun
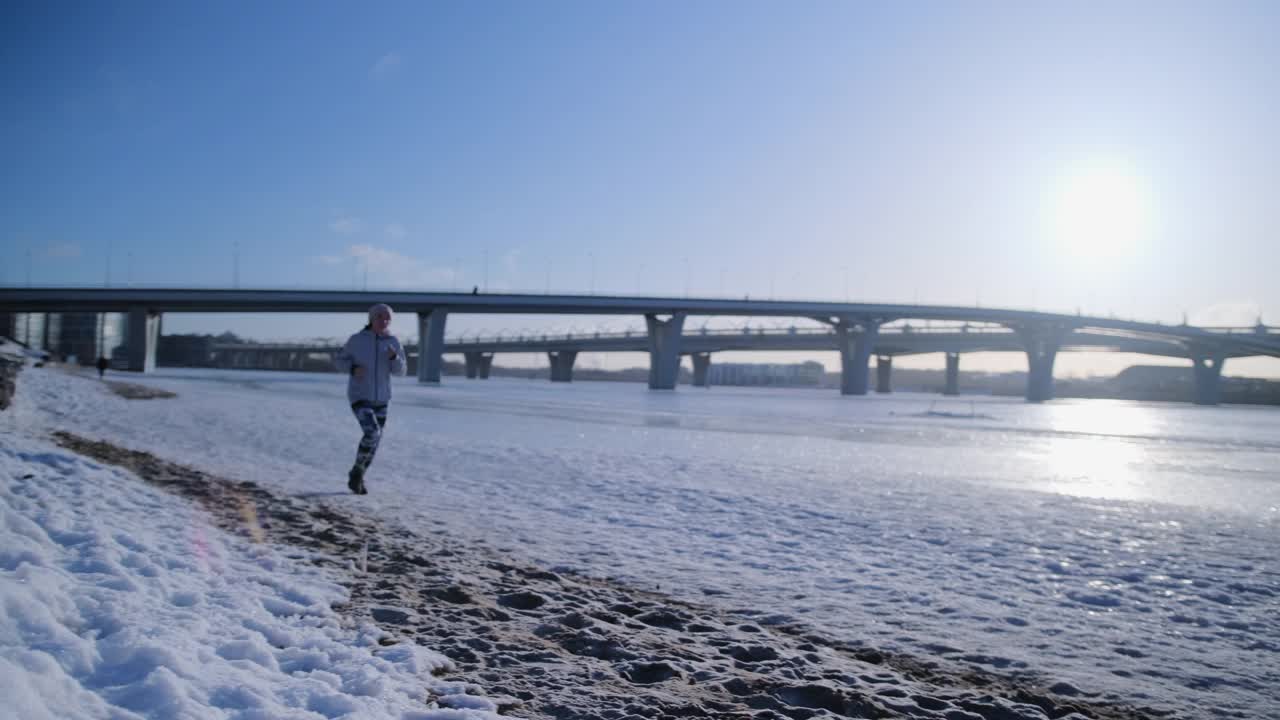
x,y
1101,211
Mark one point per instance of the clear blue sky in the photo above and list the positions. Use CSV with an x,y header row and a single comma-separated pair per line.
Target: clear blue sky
x,y
1113,157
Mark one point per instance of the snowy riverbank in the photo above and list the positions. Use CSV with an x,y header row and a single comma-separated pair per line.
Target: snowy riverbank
x,y
122,600
130,600
293,590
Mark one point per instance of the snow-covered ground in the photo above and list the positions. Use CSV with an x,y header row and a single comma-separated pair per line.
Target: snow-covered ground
x,y
121,601
1111,547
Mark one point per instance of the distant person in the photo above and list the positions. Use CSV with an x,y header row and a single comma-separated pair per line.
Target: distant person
x,y
370,358
475,289
102,365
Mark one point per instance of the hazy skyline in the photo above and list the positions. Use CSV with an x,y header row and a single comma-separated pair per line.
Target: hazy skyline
x,y
1112,158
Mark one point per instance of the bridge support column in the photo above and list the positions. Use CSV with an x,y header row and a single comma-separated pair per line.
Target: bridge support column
x,y
953,374
431,344
664,350
486,363
856,349
701,364
144,333
472,360
884,370
562,365
1207,366
1042,345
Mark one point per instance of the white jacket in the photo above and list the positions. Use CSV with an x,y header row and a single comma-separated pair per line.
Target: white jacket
x,y
373,353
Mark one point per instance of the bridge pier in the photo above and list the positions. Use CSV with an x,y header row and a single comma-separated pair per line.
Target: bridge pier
x,y
478,364
701,366
1042,345
472,360
562,365
144,334
855,353
1206,363
884,369
664,350
953,374
431,344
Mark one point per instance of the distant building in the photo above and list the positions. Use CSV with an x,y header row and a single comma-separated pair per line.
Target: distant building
x,y
1154,379
26,328
788,375
185,350
82,336
88,336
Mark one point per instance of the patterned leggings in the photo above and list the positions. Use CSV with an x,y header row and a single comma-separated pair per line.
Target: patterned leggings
x,y
372,419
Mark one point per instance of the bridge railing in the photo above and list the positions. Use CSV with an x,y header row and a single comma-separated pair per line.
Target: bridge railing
x,y
1253,330
723,332
318,346
719,332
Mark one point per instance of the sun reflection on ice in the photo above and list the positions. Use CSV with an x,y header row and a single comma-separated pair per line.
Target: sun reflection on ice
x,y
1104,417
1100,457
1096,467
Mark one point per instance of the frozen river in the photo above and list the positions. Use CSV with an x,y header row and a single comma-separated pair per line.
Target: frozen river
x,y
1119,548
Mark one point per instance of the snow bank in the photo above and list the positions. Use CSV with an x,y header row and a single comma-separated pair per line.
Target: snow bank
x,y
121,601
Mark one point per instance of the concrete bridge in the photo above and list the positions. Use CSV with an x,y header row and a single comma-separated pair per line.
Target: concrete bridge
x,y
891,341
562,349
855,328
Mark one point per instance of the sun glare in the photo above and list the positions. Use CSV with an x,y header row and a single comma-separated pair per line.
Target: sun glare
x,y
1102,211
